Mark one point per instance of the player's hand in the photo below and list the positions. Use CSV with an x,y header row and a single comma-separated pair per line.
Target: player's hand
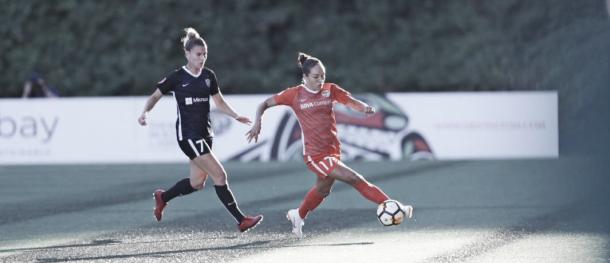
x,y
243,119
254,132
369,110
142,119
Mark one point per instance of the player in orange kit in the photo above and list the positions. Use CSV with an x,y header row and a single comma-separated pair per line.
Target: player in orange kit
x,y
312,102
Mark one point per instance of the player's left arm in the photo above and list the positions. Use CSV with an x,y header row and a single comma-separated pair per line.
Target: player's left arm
x,y
358,105
225,108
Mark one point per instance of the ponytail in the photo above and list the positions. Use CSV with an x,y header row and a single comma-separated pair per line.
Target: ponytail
x,y
191,38
306,62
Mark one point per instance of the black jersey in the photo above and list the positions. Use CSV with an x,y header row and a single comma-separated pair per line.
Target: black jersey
x,y
192,94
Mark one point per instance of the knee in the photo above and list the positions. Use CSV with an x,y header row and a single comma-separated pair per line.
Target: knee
x,y
198,181
198,186
223,176
220,178
324,193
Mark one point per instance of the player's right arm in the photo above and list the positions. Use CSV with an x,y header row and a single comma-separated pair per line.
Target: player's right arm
x,y
150,103
256,128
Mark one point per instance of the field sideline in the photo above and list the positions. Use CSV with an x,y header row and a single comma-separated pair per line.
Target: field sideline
x,y
553,210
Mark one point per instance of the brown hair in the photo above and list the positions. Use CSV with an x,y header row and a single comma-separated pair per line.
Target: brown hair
x,y
191,39
306,62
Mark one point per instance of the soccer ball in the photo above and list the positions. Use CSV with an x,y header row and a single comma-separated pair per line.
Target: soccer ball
x,y
390,213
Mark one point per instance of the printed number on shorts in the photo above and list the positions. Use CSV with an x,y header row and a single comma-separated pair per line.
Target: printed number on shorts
x,y
201,144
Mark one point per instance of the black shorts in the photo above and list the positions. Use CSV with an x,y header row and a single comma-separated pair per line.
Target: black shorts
x,y
195,147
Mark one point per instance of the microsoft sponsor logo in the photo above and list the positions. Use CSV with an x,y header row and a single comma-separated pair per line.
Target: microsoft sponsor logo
x,y
191,100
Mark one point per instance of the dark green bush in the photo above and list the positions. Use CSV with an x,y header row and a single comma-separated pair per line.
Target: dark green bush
x,y
105,48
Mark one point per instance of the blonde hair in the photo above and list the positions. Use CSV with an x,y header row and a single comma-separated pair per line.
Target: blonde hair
x,y
192,38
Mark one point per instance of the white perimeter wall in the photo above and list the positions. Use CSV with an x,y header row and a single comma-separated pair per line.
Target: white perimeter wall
x,y
465,125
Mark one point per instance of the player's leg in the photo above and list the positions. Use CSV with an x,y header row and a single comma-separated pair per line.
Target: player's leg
x,y
313,199
188,185
198,176
370,191
203,158
185,186
316,195
345,174
210,164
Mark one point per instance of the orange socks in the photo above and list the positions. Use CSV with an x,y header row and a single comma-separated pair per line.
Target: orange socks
x,y
312,200
371,192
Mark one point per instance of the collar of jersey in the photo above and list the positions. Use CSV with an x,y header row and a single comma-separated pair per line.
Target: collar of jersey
x,y
311,91
190,73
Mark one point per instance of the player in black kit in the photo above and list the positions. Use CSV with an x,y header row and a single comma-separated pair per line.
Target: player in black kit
x,y
192,86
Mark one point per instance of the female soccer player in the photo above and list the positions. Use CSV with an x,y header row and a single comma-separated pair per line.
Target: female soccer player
x,y
312,102
192,85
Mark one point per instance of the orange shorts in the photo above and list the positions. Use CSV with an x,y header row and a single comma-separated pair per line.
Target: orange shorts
x,y
322,166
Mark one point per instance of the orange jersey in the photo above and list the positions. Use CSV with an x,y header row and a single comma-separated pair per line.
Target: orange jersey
x,y
315,113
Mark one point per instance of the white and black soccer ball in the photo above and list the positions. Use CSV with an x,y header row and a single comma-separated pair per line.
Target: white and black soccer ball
x,y
390,213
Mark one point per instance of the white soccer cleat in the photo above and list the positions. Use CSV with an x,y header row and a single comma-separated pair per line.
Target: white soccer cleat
x,y
297,222
408,211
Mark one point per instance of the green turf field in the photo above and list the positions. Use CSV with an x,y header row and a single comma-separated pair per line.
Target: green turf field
x,y
477,211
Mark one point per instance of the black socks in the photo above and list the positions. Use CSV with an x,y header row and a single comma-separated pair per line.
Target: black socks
x,y
227,199
182,187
